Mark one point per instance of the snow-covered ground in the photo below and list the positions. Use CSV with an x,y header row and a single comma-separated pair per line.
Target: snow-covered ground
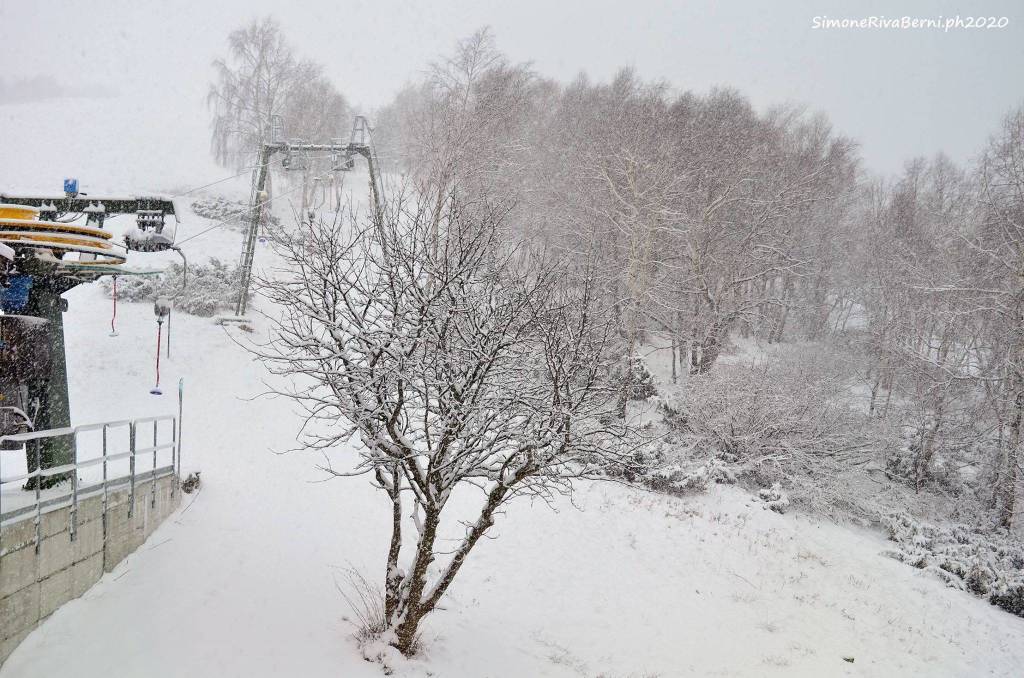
x,y
246,579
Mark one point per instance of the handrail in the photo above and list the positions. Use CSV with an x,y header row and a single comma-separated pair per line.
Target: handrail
x,y
71,498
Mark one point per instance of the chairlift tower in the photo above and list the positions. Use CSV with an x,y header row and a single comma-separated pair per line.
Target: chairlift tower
x,y
296,157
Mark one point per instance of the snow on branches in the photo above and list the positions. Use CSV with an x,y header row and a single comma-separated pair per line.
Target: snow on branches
x,y
456,360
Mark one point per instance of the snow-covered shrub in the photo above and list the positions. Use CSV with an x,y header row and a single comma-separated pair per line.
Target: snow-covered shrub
x,y
641,385
774,498
1011,599
231,212
192,483
681,479
211,288
987,563
782,421
961,452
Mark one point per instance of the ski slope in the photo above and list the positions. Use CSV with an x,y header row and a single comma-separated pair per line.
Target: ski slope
x,y
246,579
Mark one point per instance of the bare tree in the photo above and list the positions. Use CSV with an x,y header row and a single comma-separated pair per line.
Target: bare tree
x,y
999,247
262,78
459,361
462,131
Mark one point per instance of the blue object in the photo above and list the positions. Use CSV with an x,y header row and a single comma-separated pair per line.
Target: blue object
x,y
71,186
14,297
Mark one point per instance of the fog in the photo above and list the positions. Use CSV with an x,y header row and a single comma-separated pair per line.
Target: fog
x,y
512,372
900,93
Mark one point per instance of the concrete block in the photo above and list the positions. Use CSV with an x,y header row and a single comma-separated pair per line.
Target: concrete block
x,y
55,554
85,573
33,586
163,493
124,535
88,540
17,535
54,591
90,509
54,522
117,498
19,611
152,518
18,569
118,521
168,505
142,511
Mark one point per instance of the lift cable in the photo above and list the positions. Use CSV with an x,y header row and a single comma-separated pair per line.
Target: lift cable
x,y
214,183
240,212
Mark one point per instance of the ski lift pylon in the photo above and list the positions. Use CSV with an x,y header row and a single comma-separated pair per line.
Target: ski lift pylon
x,y
295,156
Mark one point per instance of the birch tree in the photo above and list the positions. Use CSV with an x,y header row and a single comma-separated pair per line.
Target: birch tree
x,y
262,78
999,247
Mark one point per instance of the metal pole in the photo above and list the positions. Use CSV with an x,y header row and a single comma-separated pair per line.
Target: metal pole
x,y
181,394
113,318
131,471
104,484
255,216
52,392
373,182
39,483
152,487
73,523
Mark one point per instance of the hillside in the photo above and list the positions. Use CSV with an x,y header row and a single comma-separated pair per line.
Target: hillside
x,y
248,578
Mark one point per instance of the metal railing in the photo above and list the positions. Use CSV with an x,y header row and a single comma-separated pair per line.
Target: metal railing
x,y
77,492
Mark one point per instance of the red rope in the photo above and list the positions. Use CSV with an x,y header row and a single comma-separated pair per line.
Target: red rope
x,y
113,328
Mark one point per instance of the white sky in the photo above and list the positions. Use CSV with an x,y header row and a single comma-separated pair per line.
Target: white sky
x,y
899,92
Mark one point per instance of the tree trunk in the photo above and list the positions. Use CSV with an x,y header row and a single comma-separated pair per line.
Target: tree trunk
x,y
393,580
627,380
927,451
711,347
673,337
1008,478
409,609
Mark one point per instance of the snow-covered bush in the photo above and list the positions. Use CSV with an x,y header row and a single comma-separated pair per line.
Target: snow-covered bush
x,y
963,456
987,563
212,287
641,381
231,212
641,386
679,478
783,421
774,498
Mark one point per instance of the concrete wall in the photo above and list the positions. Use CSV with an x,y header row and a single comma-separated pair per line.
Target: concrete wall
x,y
33,585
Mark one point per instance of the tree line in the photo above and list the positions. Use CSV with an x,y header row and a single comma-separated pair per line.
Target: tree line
x,y
704,218
483,328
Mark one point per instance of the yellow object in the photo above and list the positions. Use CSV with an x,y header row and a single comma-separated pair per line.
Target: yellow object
x,y
42,237
18,211
20,228
108,256
10,223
